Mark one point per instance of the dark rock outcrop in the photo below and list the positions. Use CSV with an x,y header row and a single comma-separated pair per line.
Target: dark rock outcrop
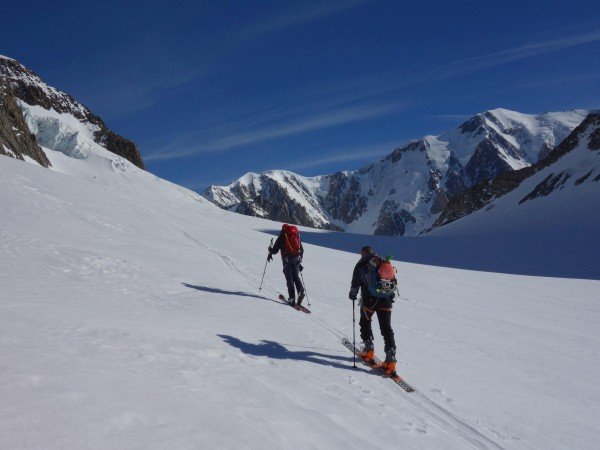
x,y
487,161
547,186
412,146
15,138
455,177
392,220
344,200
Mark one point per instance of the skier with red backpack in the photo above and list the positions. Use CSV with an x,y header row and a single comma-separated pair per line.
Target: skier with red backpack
x,y
375,277
292,252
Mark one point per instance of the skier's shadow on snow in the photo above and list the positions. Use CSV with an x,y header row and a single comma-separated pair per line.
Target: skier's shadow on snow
x,y
224,292
275,350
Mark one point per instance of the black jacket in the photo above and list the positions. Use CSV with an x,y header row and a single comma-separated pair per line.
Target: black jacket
x,y
280,245
360,278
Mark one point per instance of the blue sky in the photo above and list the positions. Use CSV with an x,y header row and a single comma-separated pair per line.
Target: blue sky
x,y
213,89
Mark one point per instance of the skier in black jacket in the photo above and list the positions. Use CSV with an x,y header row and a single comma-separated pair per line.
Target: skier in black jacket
x,y
369,306
292,252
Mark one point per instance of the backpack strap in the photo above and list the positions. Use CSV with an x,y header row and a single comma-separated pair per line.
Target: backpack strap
x,y
288,245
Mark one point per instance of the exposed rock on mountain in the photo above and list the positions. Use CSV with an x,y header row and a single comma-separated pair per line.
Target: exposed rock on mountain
x,y
15,138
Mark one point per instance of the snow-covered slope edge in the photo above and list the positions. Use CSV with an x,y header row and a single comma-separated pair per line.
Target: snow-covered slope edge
x,y
405,192
560,194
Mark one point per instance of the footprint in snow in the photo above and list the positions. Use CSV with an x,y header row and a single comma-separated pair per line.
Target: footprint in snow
x,y
438,391
420,428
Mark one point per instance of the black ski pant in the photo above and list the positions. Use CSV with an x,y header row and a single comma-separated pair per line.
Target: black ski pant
x,y
292,277
383,309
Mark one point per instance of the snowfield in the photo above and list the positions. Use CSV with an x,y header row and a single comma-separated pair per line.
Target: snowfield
x,y
130,318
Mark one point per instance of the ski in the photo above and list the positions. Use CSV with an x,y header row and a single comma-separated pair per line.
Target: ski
x,y
375,364
296,307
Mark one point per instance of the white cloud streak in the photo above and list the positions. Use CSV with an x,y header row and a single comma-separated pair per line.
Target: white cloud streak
x,y
316,122
296,16
477,63
367,152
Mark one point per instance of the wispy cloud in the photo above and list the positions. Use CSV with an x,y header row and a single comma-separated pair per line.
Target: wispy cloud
x,y
467,65
295,16
450,117
311,123
141,87
347,154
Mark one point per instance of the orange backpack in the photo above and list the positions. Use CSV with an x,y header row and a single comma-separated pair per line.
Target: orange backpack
x,y
387,271
382,278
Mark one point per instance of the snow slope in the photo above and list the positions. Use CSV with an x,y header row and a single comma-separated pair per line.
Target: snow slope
x,y
130,318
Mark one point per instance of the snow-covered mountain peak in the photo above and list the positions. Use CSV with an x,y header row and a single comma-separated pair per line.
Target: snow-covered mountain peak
x,y
404,192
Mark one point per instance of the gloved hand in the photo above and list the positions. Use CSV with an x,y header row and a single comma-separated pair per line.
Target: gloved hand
x,y
270,257
352,294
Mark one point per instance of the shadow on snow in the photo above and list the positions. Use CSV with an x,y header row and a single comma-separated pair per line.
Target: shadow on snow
x,y
274,350
225,292
569,256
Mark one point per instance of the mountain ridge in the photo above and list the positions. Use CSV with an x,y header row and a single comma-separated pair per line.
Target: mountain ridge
x,y
404,192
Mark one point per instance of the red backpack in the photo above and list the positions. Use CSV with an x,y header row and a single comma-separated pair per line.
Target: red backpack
x,y
292,239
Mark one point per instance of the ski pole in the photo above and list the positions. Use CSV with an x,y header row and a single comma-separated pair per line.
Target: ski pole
x,y
353,335
264,271
305,291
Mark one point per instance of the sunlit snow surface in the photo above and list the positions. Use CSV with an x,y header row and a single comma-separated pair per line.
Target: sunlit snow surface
x,y
130,318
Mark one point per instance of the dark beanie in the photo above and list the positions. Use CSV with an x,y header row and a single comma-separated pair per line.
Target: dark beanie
x,y
366,250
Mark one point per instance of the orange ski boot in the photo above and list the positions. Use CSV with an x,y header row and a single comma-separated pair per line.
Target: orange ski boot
x,y
389,365
368,351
